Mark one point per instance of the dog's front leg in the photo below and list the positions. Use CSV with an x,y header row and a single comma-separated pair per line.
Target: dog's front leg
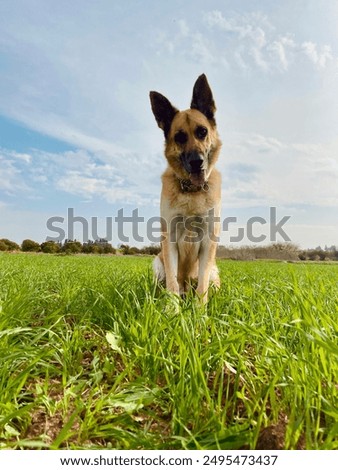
x,y
207,255
206,263
170,259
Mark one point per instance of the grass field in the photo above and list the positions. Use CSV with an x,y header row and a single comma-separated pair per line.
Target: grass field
x,y
93,356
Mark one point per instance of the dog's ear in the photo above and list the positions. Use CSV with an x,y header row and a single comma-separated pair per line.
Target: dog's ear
x,y
163,110
202,98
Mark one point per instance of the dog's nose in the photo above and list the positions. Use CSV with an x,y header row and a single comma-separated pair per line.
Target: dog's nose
x,y
192,162
196,164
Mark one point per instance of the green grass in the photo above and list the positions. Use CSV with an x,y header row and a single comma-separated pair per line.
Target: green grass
x,y
94,356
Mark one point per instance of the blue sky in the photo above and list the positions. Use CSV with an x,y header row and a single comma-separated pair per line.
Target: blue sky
x,y
76,129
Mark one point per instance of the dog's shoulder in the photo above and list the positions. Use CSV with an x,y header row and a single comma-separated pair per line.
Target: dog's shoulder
x,y
215,183
170,185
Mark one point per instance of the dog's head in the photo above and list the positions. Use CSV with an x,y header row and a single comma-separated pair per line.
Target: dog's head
x,y
191,139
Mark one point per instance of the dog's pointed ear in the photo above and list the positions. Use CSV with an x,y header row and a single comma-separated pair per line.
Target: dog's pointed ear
x,y
202,98
163,110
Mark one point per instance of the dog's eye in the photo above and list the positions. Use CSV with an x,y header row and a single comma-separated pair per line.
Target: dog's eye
x,y
181,137
201,132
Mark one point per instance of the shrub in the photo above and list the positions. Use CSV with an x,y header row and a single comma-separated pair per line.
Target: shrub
x,y
89,247
98,247
72,247
280,251
10,246
151,250
302,256
30,245
50,247
125,249
109,249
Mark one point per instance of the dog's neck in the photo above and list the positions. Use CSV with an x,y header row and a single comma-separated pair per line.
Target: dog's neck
x,y
188,187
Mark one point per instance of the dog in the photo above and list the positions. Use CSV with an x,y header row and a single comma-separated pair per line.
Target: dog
x,y
191,193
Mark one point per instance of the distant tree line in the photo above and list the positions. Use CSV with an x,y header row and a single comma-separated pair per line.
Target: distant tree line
x,y
100,246
279,251
320,254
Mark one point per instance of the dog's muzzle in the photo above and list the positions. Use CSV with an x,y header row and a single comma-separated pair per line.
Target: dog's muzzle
x,y
193,164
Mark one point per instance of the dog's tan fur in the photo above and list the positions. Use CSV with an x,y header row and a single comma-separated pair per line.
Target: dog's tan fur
x,y
182,258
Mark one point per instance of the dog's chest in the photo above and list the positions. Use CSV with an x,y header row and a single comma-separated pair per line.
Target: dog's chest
x,y
190,229
191,204
189,217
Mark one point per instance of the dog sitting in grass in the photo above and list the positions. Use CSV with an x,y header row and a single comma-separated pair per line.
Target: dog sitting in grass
x,y
191,192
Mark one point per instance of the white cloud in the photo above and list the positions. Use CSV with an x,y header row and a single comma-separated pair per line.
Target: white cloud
x,y
25,157
319,56
128,178
263,144
312,235
12,177
251,40
278,173
184,28
74,182
245,26
185,43
282,49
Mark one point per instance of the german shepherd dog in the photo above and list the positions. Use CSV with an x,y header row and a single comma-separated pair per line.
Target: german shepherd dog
x,y
191,192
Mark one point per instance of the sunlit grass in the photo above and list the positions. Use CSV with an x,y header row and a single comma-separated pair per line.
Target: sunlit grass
x,y
93,355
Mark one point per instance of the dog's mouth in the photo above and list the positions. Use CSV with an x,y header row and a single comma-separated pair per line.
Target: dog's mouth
x,y
193,164
197,179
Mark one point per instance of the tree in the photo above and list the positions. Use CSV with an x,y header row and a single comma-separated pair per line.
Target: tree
x,y
129,250
125,249
10,246
90,247
71,246
302,255
151,250
30,245
109,249
50,247
100,246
